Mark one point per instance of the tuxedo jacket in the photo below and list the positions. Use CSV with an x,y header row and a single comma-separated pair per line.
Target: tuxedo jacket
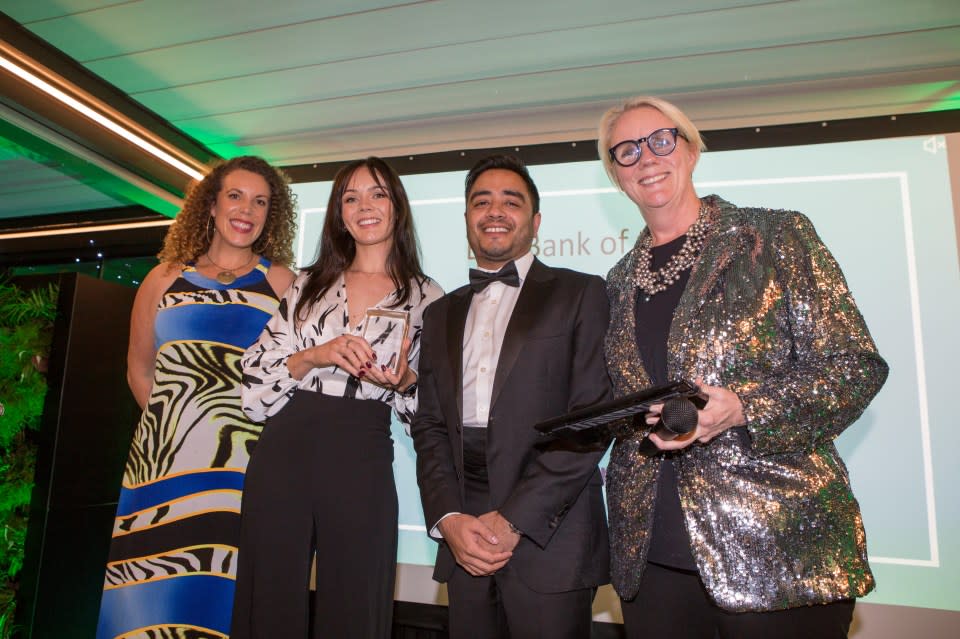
x,y
551,362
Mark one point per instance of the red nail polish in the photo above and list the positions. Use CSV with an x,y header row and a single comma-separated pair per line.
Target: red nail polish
x,y
361,373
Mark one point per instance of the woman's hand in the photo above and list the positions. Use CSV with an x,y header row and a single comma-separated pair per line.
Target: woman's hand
x,y
723,410
381,375
349,352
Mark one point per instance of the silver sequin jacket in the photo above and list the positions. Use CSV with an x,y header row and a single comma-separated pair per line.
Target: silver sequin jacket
x,y
771,517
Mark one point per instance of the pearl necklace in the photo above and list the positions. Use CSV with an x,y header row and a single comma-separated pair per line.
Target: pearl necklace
x,y
226,276
653,282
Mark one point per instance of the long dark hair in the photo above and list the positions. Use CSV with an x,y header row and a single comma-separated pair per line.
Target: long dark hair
x,y
337,246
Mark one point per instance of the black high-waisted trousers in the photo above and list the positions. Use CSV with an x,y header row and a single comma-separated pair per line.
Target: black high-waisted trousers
x,y
320,480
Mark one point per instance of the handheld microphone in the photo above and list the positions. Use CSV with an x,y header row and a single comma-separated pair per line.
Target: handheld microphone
x,y
677,417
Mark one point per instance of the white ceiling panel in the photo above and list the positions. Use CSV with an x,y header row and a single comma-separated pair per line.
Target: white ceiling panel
x,y
434,26
32,11
123,28
738,69
712,109
430,34
578,50
303,81
32,188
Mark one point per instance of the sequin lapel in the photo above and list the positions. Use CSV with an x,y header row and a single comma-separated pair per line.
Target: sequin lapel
x,y
621,338
720,250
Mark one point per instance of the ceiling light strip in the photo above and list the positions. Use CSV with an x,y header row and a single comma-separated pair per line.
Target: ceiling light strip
x,y
84,229
99,118
52,137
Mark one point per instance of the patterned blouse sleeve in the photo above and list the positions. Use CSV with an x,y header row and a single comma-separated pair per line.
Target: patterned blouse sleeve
x,y
406,405
267,384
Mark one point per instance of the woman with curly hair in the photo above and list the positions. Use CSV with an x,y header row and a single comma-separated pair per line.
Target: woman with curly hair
x,y
224,265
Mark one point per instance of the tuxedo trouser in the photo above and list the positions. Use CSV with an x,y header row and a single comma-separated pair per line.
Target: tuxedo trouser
x,y
502,606
320,479
674,604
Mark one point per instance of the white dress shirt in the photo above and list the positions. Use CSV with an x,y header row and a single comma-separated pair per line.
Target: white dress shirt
x,y
483,333
487,320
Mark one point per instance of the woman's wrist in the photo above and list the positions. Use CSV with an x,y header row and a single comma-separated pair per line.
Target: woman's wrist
x,y
299,364
408,384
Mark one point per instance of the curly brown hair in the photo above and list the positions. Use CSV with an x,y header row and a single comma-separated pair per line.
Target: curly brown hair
x,y
189,235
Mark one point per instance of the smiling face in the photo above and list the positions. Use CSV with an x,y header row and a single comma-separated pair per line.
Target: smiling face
x,y
501,222
655,182
241,208
366,209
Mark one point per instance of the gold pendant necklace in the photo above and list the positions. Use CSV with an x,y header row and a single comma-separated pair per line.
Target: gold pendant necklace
x,y
226,276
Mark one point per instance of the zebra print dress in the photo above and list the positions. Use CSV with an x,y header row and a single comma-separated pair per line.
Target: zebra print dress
x,y
173,554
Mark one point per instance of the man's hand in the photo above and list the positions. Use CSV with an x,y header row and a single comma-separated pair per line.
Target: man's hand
x,y
501,528
475,546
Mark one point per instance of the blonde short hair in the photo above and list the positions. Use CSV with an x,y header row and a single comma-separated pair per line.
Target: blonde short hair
x,y
685,126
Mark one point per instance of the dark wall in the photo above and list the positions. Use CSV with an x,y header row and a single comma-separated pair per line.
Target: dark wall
x,y
88,420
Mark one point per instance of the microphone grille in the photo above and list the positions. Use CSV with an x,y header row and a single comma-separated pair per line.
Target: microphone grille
x,y
679,415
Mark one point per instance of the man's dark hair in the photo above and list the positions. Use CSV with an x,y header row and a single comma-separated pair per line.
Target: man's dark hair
x,y
507,163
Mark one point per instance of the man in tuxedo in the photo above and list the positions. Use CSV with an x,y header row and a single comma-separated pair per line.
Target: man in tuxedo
x,y
521,521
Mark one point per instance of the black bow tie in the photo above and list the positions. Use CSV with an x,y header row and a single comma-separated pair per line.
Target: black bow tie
x,y
508,275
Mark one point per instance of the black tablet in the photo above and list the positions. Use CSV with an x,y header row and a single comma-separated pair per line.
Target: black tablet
x,y
586,419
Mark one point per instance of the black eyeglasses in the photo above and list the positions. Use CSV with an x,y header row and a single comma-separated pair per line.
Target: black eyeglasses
x,y
661,142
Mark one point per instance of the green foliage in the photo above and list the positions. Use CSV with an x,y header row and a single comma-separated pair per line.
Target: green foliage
x,y
26,323
20,307
22,386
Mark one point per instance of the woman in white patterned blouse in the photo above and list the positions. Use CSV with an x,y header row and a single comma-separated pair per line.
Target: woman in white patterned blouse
x,y
321,478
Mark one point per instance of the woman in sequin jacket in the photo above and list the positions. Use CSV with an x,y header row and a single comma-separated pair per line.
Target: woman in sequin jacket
x,y
747,527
